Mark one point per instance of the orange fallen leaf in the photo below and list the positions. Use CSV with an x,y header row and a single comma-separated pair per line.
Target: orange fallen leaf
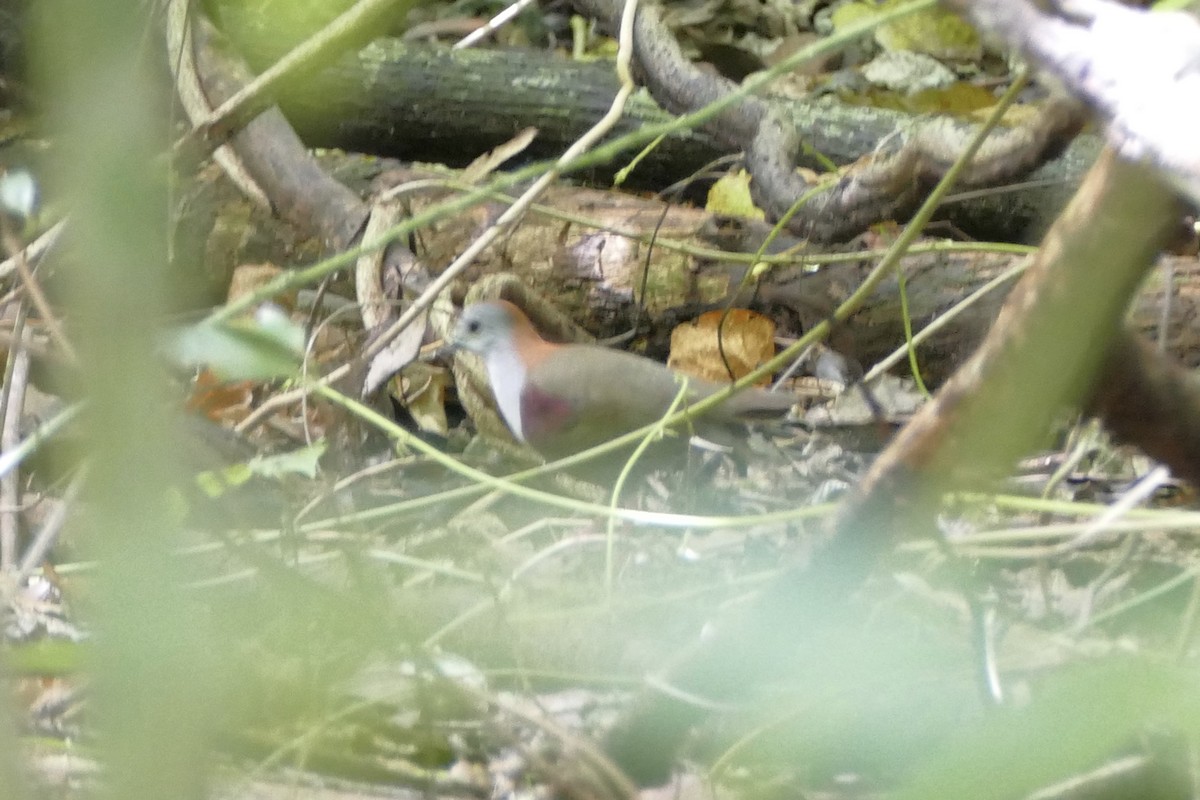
x,y
747,340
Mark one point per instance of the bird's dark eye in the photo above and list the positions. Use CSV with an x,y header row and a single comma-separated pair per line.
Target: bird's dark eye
x,y
473,326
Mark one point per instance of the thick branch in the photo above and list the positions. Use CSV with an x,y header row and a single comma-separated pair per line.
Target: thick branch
x,y
428,104
883,185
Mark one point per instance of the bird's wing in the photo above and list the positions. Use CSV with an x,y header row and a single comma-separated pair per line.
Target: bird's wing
x,y
585,395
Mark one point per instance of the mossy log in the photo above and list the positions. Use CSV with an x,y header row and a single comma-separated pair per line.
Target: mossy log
x,y
431,104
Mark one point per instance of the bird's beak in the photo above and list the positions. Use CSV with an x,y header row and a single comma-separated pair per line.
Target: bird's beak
x,y
446,351
441,351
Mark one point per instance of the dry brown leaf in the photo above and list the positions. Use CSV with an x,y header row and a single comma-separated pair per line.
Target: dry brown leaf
x,y
424,394
747,339
492,160
221,401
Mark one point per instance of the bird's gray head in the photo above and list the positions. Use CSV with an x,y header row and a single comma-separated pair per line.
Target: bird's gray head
x,y
484,326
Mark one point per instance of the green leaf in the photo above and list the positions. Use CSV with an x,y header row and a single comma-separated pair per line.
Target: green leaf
x,y
730,196
269,346
297,462
1076,720
46,657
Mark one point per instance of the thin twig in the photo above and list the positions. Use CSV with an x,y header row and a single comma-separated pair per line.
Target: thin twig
x,y
36,296
10,437
35,251
47,535
494,24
